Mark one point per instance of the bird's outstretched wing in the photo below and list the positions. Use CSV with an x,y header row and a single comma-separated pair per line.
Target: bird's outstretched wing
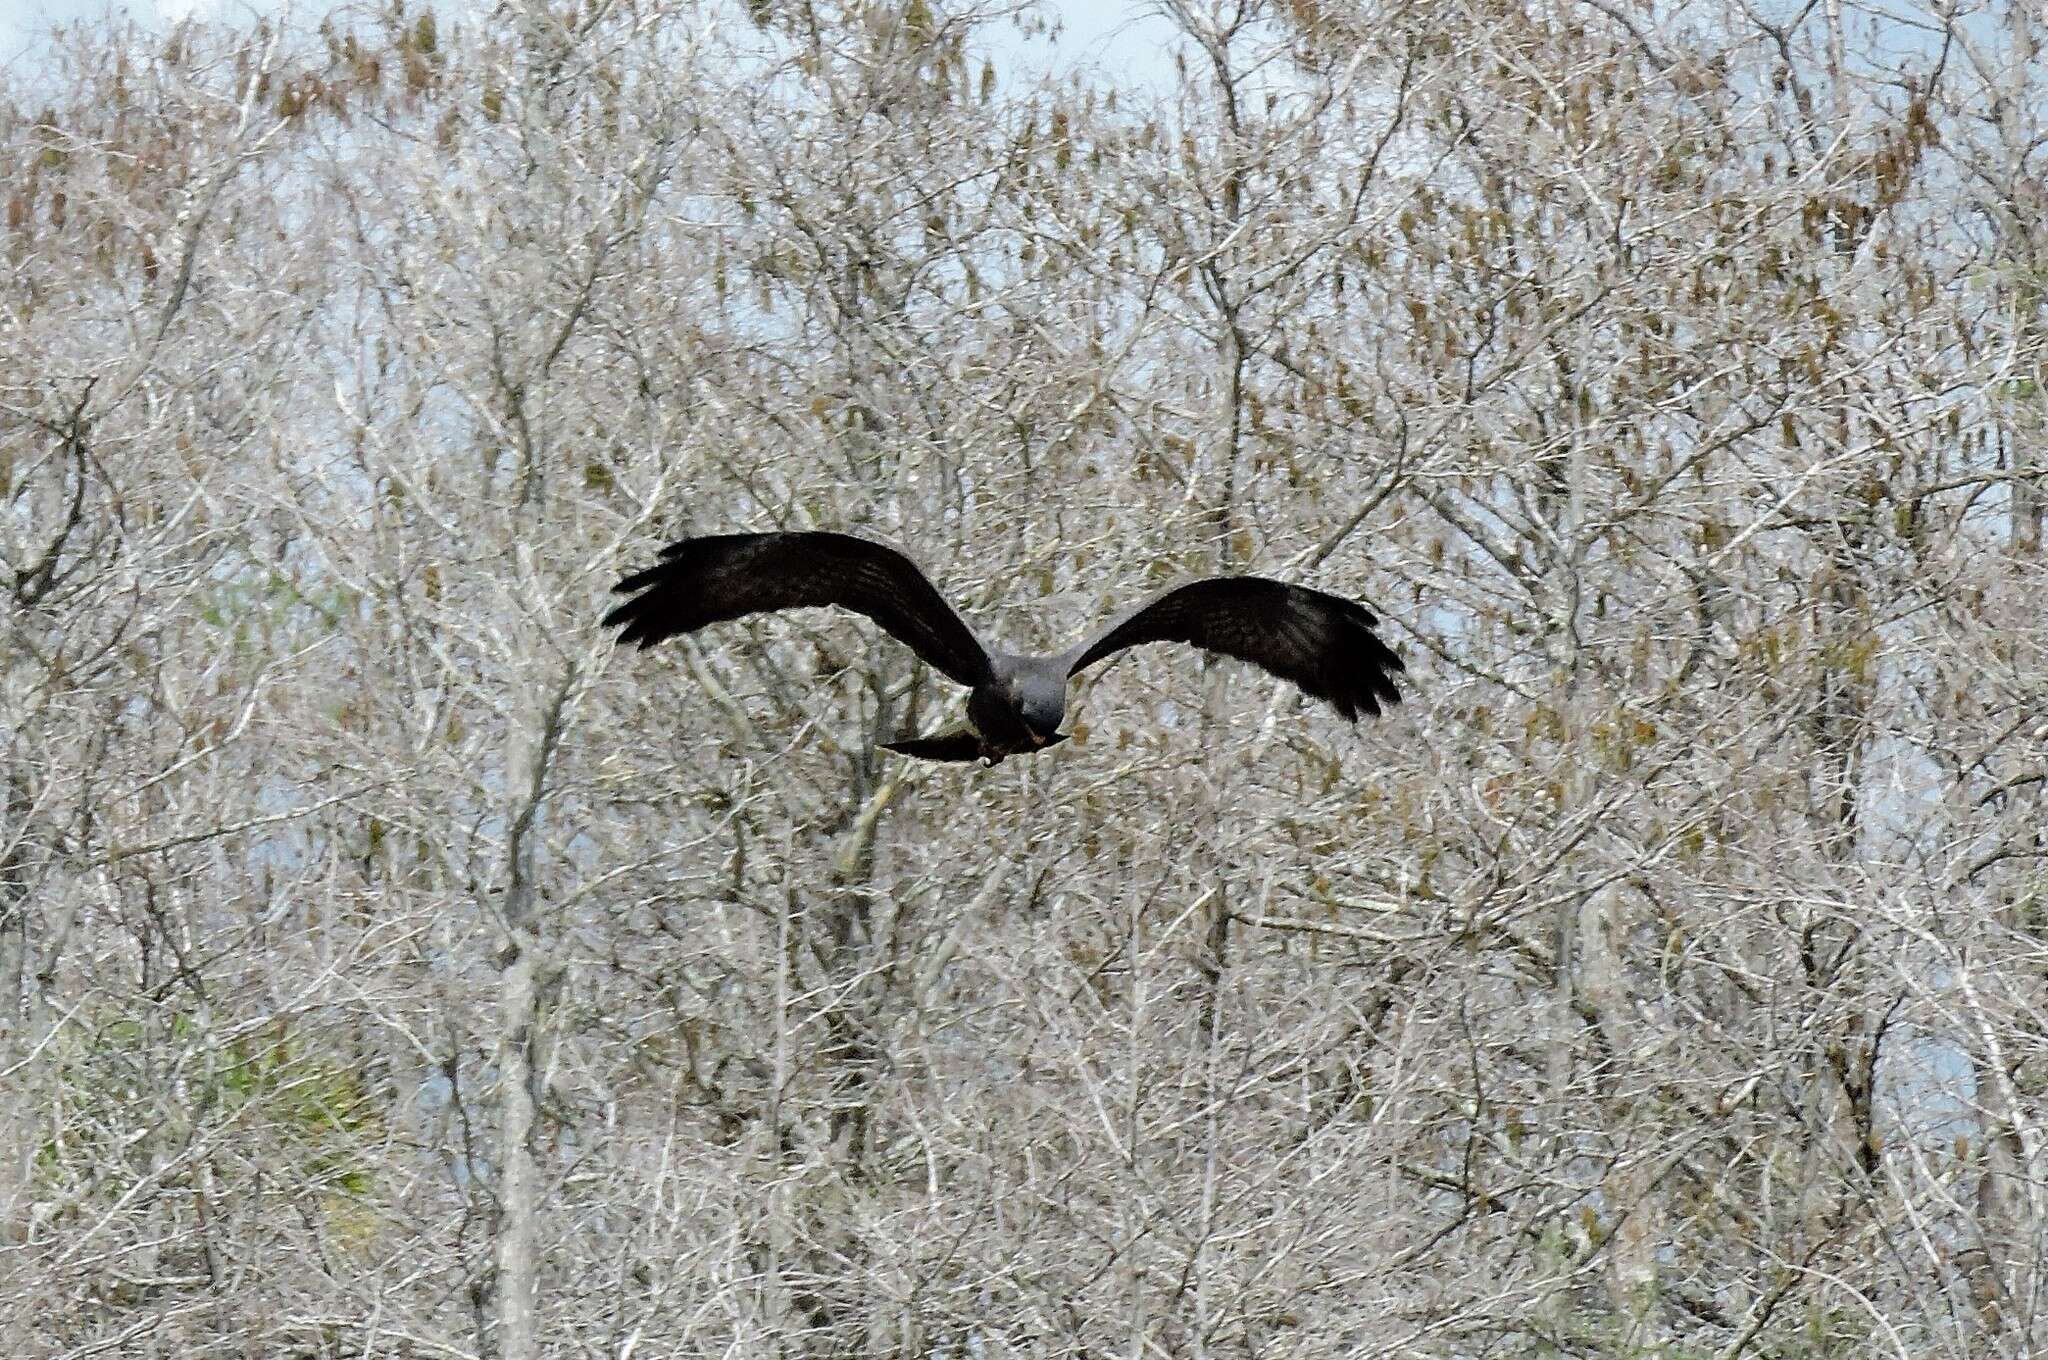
x,y
707,580
1323,643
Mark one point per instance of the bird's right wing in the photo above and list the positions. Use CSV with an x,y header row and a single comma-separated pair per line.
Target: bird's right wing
x,y
708,580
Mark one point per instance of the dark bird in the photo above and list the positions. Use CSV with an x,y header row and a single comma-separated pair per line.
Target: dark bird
x,y
1320,642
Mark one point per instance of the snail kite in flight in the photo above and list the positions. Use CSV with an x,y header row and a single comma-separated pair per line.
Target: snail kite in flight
x,y
1320,642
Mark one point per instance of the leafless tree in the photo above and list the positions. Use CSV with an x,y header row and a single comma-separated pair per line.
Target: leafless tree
x,y
391,969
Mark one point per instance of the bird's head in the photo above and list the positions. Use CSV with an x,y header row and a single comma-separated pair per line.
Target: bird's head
x,y
1042,703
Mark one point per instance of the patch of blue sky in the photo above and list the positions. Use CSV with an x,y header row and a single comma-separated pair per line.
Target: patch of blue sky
x,y
26,25
1128,44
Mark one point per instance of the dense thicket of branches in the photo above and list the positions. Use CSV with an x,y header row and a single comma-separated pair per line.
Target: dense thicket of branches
x,y
387,968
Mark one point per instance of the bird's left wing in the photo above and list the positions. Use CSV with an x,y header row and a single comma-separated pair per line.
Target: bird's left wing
x,y
1321,642
707,580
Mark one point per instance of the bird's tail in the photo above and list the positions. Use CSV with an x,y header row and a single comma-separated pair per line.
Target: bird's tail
x,y
960,744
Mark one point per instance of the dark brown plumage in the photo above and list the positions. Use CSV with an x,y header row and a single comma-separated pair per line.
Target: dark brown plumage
x,y
1323,643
